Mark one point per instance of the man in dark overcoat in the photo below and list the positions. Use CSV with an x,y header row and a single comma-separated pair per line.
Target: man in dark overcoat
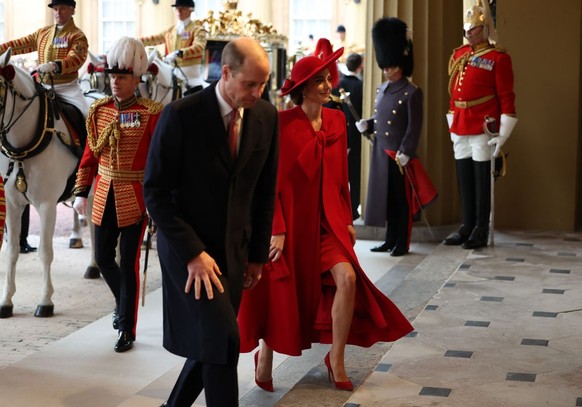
x,y
213,207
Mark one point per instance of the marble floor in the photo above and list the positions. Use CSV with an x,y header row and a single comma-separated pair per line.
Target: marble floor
x,y
500,326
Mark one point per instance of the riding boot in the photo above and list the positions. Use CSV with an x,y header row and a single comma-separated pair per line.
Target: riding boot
x,y
480,233
466,185
24,226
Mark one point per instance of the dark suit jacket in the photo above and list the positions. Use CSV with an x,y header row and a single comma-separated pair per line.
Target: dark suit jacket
x,y
353,85
203,200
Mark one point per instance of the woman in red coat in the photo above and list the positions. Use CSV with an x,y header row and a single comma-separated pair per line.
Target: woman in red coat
x,y
314,290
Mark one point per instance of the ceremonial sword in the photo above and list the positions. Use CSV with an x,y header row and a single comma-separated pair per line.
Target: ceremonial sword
x,y
345,98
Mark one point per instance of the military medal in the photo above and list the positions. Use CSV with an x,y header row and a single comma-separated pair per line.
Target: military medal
x,y
482,63
61,42
129,119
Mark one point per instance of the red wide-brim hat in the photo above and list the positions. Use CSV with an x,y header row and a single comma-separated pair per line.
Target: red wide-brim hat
x,y
309,66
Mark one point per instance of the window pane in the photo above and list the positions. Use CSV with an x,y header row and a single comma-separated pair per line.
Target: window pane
x,y
308,17
117,19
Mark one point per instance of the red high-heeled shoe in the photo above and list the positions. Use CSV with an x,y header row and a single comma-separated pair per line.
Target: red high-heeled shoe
x,y
268,385
347,385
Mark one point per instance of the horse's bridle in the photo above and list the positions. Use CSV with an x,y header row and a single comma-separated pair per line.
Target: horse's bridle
x,y
45,126
5,87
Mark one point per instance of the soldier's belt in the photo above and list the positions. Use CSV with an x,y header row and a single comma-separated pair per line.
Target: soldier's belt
x,y
464,104
120,175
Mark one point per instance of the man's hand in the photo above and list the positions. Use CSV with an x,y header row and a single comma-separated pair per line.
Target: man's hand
x,y
171,57
276,247
49,67
202,269
362,125
80,205
497,142
449,117
253,274
402,158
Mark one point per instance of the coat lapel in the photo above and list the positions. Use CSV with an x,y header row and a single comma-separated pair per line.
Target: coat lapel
x,y
251,129
216,130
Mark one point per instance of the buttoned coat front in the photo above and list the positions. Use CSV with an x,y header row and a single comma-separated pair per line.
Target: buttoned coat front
x,y
396,125
201,199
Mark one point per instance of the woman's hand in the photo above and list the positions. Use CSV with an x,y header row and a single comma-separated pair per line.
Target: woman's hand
x,y
352,233
276,247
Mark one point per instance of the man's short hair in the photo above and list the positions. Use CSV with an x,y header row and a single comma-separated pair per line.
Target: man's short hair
x,y
340,29
233,57
353,62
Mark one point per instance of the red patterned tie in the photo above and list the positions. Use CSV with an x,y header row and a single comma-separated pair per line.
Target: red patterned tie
x,y
233,130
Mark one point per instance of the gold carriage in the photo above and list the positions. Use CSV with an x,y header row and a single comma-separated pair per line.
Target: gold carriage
x,y
229,24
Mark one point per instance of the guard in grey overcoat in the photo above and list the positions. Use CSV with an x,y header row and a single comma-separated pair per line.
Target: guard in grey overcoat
x,y
396,126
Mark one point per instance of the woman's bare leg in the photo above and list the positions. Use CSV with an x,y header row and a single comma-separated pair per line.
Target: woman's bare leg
x,y
342,312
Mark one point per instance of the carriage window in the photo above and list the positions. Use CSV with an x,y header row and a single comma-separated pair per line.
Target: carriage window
x,y
117,19
308,17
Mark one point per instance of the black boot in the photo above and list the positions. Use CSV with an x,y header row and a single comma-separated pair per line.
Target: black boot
x,y
466,185
480,233
124,341
460,237
24,225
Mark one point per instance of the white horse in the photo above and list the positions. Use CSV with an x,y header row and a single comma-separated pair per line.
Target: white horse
x,y
165,82
36,165
94,80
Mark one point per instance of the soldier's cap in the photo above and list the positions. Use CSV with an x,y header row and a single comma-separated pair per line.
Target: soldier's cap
x,y
184,3
71,3
127,56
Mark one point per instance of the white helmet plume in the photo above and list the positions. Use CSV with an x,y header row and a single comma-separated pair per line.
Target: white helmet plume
x,y
127,55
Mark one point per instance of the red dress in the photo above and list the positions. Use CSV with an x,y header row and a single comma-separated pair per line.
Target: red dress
x,y
291,306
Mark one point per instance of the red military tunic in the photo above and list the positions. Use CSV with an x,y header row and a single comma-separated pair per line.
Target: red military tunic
x,y
68,49
116,152
192,42
481,84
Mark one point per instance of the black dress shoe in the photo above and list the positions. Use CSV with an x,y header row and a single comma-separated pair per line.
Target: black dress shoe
x,y
477,239
164,404
384,247
115,320
460,237
398,251
124,341
26,248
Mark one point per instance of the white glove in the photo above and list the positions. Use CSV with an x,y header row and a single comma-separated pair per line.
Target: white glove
x,y
449,119
80,205
49,67
402,158
170,58
507,123
362,125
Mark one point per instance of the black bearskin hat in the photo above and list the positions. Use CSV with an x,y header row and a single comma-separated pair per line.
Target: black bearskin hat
x,y
392,46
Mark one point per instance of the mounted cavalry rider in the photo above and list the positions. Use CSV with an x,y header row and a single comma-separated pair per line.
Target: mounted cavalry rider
x,y
120,129
62,50
185,43
481,86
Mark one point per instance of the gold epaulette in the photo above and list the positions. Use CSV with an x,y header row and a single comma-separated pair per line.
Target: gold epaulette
x,y
152,106
98,103
500,48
